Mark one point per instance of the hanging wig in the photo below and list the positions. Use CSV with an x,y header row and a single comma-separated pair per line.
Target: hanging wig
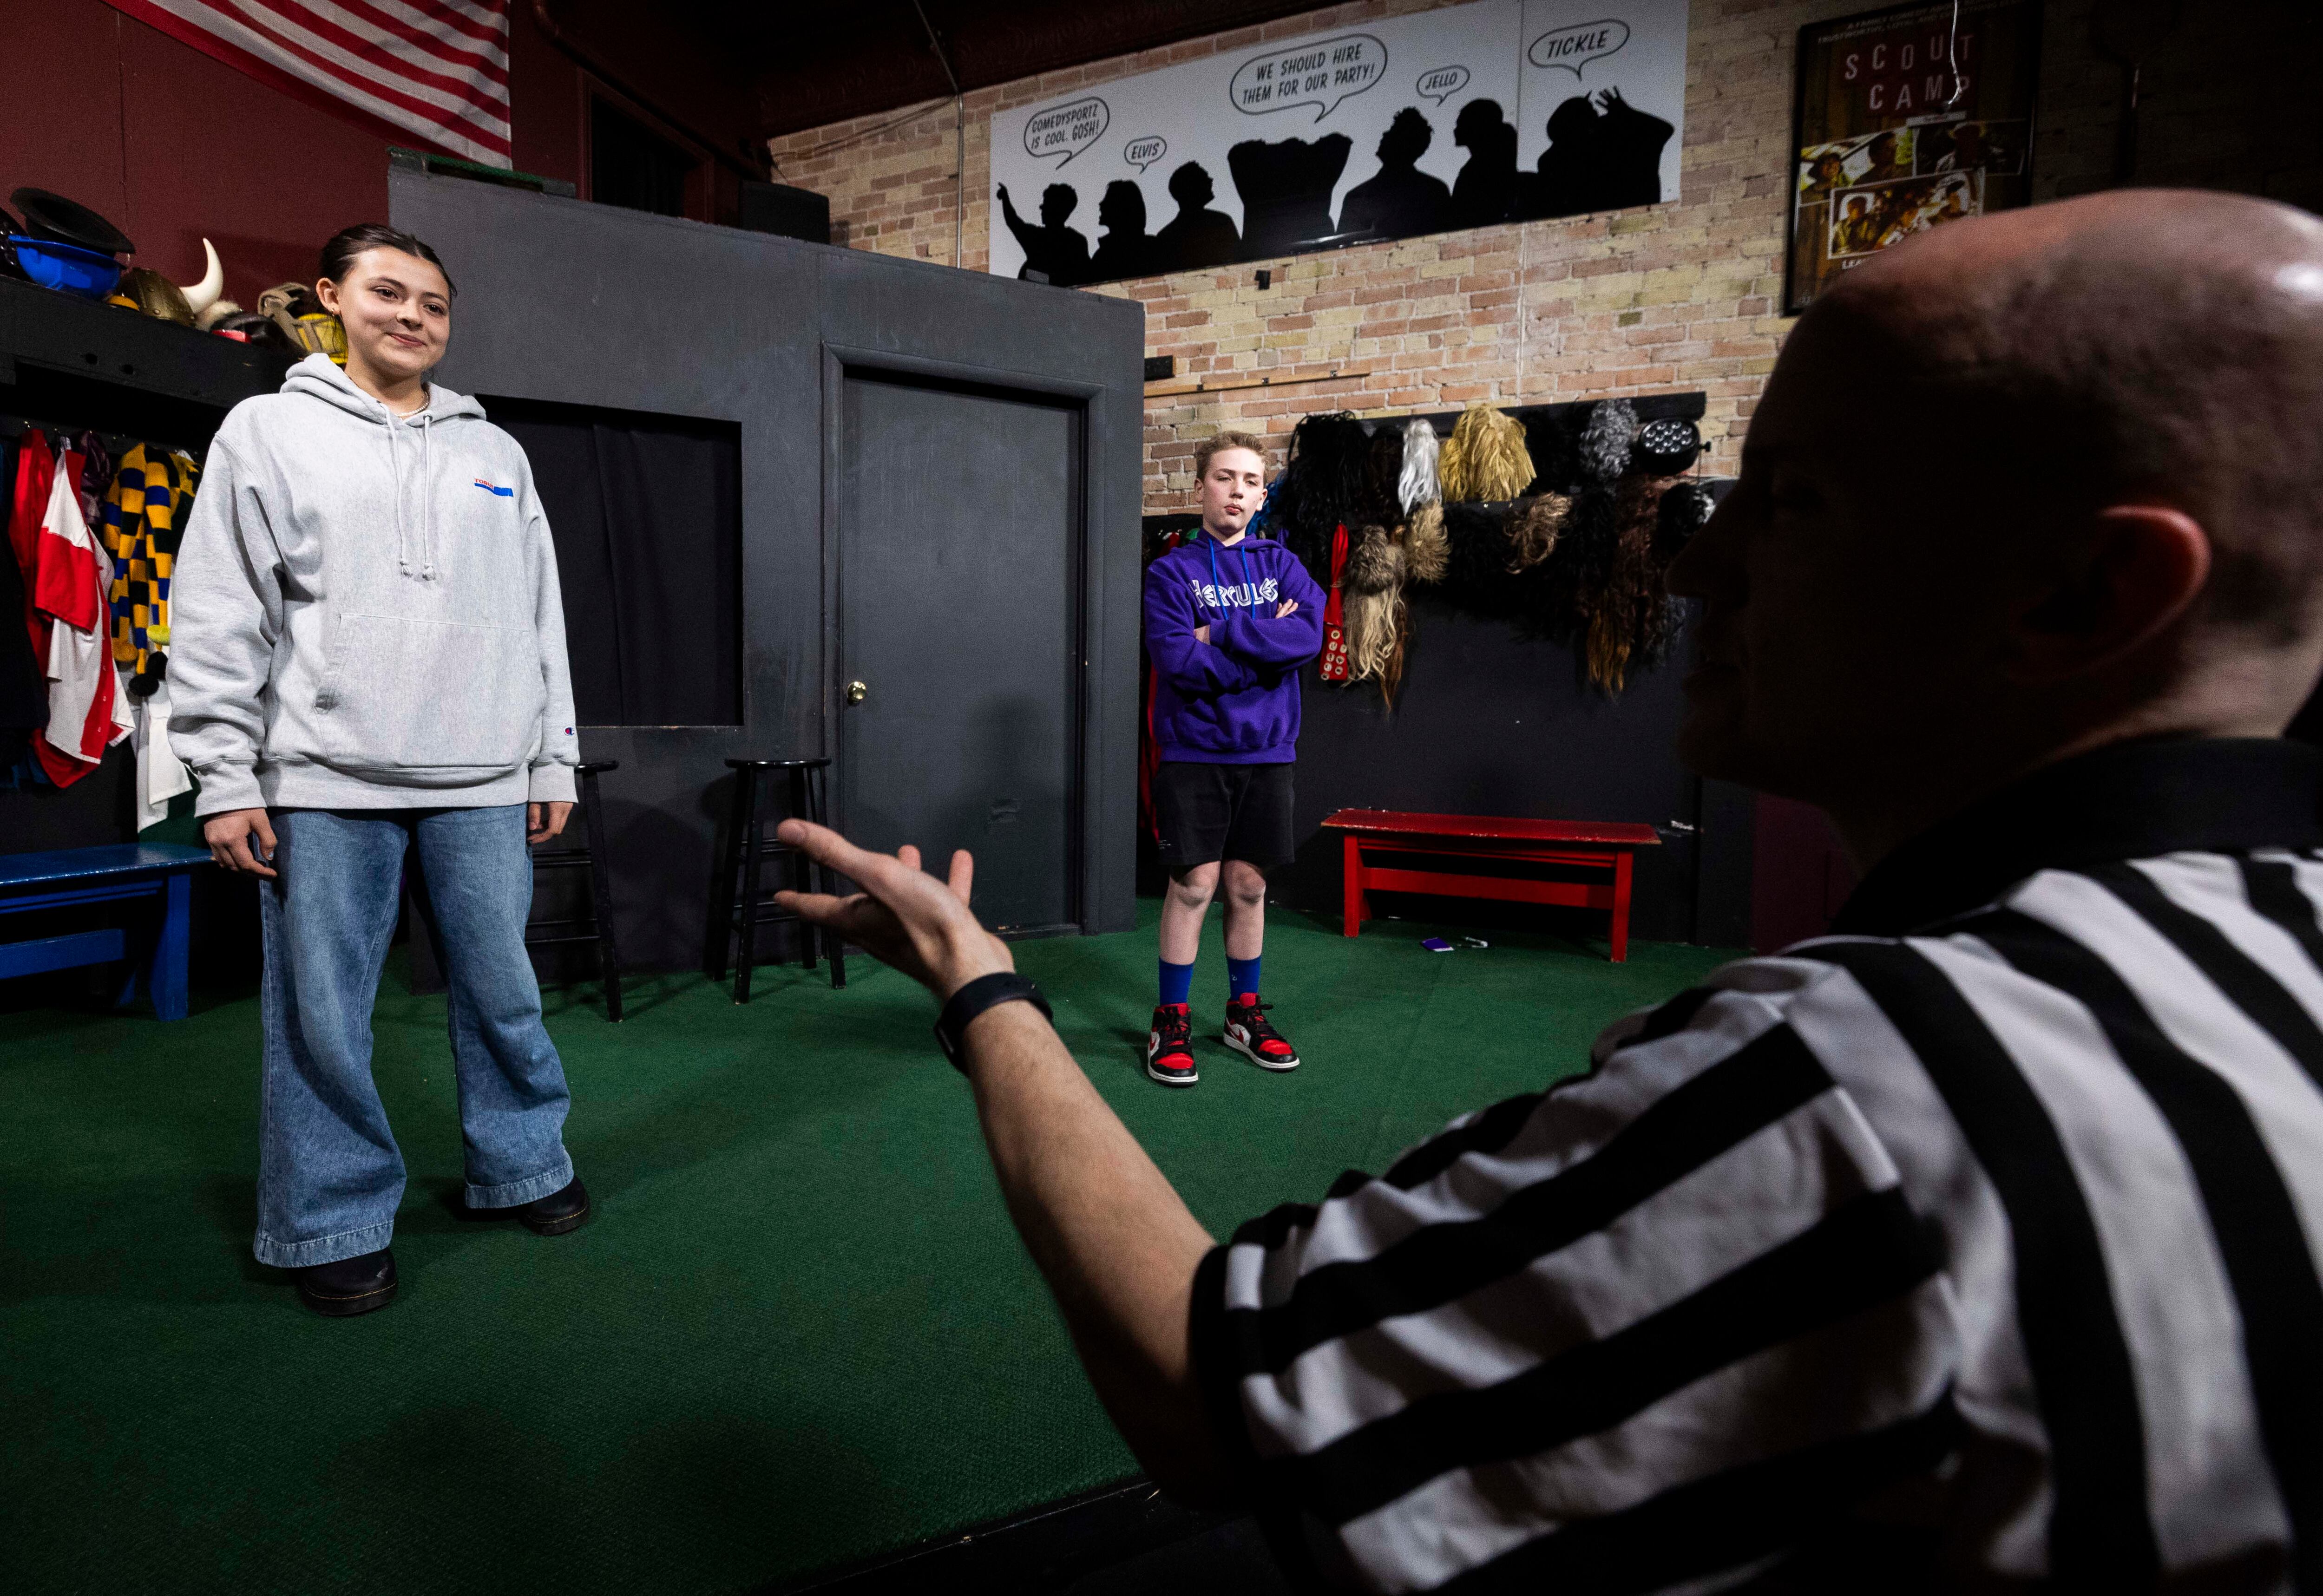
x,y
1382,494
1583,568
1685,507
1553,439
1606,441
1374,561
1373,600
1330,468
1379,627
1477,572
1416,482
1426,551
1485,456
1631,624
1535,527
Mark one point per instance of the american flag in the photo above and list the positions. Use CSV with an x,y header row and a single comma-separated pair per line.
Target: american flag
x,y
434,68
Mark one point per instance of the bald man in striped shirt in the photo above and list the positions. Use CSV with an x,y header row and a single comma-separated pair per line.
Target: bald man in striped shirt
x,y
1971,1247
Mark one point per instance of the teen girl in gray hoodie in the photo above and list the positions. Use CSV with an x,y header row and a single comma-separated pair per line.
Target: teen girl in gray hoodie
x,y
368,670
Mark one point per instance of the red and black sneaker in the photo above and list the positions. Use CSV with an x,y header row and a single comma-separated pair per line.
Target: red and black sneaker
x,y
1249,1033
1170,1046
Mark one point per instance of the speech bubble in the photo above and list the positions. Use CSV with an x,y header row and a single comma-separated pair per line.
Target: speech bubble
x,y
1440,83
1319,72
1576,47
1067,130
1143,152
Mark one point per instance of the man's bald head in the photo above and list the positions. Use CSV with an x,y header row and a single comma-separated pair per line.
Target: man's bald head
x,y
2155,345
2025,484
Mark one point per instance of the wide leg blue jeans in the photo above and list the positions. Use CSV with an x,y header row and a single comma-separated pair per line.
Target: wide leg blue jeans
x,y
329,1174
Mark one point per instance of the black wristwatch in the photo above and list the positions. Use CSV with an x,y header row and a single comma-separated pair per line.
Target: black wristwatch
x,y
982,993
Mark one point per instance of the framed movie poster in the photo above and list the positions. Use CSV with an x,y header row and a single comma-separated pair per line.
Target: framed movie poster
x,y
1889,143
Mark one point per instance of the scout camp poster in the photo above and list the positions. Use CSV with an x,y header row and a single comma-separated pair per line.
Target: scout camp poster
x,y
1889,142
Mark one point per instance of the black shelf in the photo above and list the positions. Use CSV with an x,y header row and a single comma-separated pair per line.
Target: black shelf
x,y
74,362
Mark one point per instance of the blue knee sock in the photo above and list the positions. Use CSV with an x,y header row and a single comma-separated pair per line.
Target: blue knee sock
x,y
1176,983
1242,975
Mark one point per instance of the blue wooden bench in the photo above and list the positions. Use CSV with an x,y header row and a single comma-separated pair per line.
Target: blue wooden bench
x,y
156,878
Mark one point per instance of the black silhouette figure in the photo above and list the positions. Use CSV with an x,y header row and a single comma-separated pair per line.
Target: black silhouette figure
x,y
1602,156
1561,183
1485,191
1400,201
1053,249
1285,189
1127,250
1630,144
1196,236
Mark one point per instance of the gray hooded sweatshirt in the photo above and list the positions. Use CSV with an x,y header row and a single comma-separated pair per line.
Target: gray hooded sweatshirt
x,y
365,612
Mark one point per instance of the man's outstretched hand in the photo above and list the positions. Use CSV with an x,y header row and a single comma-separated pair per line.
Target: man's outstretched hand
x,y
904,916
1115,1243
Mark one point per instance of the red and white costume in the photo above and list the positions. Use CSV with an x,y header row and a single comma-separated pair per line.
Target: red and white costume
x,y
66,575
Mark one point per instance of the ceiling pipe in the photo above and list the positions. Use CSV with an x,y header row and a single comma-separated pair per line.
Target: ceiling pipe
x,y
959,130
590,63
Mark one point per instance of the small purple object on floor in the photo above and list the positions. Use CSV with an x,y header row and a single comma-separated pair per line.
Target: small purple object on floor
x,y
1436,945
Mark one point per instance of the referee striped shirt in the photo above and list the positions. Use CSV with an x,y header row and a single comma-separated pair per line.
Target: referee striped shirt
x,y
1974,1245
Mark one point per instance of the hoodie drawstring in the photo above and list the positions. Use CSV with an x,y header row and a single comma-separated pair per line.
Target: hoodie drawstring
x,y
427,499
395,471
317,378
1217,588
425,418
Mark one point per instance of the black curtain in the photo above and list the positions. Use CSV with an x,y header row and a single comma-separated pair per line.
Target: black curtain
x,y
630,166
646,515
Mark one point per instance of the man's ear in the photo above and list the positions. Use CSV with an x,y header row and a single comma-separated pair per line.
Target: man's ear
x,y
2136,572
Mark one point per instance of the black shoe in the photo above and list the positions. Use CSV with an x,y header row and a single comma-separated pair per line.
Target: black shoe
x,y
349,1286
1168,1046
1249,1033
557,1212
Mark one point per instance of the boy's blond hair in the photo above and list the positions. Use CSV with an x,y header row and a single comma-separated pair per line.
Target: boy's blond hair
x,y
1218,443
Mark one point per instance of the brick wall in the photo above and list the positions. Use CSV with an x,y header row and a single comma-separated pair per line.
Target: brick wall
x,y
1673,295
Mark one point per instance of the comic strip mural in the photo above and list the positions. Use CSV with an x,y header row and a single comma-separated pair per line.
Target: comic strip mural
x,y
1499,111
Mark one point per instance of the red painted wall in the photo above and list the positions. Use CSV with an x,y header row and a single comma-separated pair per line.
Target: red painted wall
x,y
174,146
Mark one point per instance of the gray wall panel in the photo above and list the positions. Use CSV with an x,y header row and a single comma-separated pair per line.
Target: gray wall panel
x,y
929,320
583,304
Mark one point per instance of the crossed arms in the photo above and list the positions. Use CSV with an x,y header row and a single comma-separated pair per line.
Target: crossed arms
x,y
1207,653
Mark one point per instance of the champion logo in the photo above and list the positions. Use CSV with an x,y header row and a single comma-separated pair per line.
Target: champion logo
x,y
489,488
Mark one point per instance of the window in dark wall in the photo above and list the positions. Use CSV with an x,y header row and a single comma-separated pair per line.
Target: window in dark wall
x,y
632,166
646,512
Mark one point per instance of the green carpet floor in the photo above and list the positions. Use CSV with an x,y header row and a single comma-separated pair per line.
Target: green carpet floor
x,y
798,1332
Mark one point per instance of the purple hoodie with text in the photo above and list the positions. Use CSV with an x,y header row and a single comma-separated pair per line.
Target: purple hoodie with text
x,y
1234,700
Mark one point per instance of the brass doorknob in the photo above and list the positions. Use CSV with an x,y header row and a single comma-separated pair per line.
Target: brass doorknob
x,y
857,692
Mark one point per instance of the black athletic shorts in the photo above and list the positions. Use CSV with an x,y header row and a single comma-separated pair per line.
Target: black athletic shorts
x,y
1206,813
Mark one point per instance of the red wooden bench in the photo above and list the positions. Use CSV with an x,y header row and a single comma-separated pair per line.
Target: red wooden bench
x,y
1590,845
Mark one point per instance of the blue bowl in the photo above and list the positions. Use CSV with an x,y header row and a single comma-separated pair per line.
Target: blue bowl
x,y
66,266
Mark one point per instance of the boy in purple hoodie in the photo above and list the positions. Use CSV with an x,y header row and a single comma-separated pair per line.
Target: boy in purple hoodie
x,y
1229,619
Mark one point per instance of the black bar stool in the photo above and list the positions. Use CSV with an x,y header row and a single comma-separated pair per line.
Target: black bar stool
x,y
747,852
599,865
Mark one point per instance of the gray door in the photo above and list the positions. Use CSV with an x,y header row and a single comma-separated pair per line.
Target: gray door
x,y
960,596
